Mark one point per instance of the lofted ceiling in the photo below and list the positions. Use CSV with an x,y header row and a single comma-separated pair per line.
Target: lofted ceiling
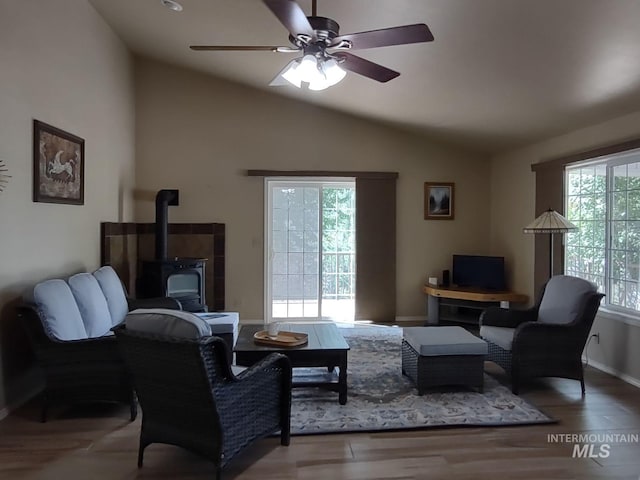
x,y
500,73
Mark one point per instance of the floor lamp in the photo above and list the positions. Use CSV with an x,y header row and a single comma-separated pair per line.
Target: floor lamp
x,y
550,222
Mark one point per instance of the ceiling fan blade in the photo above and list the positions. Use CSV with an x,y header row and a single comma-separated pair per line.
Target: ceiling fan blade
x,y
385,37
366,68
244,48
291,16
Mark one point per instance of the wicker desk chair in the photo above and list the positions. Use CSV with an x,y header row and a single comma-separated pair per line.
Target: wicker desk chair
x,y
546,340
188,394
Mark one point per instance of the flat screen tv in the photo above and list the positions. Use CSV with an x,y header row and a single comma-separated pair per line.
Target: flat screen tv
x,y
479,271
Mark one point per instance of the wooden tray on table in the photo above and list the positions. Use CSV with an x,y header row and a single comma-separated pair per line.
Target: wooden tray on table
x,y
284,339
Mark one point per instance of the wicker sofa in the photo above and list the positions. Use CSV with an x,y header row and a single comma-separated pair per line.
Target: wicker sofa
x,y
69,324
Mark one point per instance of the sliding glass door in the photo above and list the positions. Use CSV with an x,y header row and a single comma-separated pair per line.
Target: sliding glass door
x,y
310,249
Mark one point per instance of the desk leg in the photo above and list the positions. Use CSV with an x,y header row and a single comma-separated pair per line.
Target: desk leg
x,y
433,310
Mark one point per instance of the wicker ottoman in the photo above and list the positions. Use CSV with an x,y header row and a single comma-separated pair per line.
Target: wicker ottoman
x,y
436,356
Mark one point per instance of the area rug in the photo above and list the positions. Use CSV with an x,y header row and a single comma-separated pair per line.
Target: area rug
x,y
381,398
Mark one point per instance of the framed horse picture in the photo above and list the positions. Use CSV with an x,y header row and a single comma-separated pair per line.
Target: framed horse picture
x,y
58,165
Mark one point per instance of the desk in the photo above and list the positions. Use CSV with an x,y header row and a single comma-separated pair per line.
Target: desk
x,y
472,301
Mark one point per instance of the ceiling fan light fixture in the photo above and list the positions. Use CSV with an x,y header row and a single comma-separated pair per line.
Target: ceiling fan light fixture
x,y
308,70
319,83
292,75
329,74
318,75
333,72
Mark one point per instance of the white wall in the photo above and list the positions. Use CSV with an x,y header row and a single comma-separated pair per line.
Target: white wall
x,y
61,64
513,205
200,135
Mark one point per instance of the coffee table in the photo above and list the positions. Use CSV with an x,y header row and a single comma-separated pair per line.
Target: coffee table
x,y
326,348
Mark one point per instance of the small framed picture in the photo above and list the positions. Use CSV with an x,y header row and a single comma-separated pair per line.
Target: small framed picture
x,y
438,200
58,165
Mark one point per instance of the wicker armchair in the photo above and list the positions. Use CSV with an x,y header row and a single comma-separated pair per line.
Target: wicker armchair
x,y
190,398
546,340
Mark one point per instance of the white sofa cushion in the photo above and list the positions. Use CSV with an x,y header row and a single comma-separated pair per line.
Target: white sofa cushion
x,y
174,323
113,291
563,299
91,303
58,310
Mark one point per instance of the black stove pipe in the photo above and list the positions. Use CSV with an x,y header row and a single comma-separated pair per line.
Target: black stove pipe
x,y
164,198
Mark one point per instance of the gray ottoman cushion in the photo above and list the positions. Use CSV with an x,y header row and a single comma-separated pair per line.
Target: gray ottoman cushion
x,y
436,341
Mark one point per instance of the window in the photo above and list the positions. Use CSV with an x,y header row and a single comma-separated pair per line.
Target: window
x,y
602,199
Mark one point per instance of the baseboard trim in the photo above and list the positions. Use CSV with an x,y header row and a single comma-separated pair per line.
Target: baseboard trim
x,y
411,318
612,371
251,322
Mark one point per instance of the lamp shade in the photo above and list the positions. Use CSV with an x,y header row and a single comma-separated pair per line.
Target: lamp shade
x,y
330,73
550,222
308,71
333,71
292,75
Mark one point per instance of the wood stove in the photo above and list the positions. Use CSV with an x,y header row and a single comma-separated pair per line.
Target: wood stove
x,y
178,277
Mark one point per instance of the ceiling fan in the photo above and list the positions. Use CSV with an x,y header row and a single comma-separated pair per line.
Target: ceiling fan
x,y
326,53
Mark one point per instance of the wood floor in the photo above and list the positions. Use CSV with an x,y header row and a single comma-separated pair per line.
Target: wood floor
x,y
100,443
